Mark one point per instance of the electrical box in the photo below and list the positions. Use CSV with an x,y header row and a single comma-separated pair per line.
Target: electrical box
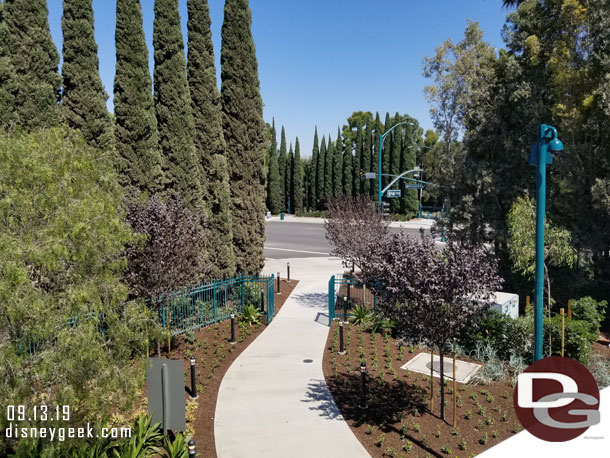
x,y
506,303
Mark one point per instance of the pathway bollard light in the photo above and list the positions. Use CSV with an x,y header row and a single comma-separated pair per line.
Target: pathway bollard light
x,y
193,379
233,328
278,283
363,404
341,345
345,299
288,270
192,449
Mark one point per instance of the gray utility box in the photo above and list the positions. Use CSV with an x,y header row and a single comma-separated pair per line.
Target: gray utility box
x,y
166,400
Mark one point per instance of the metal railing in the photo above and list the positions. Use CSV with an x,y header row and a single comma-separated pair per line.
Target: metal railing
x,y
210,303
195,307
344,293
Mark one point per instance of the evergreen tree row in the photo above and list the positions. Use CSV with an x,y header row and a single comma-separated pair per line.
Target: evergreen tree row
x,y
181,137
285,175
335,165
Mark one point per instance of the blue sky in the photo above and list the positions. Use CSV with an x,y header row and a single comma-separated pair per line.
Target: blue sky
x,y
321,60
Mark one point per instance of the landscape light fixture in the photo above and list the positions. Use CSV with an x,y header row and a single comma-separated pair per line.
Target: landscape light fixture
x,y
541,154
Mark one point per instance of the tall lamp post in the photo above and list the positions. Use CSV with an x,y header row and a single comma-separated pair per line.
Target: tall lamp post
x,y
541,154
381,139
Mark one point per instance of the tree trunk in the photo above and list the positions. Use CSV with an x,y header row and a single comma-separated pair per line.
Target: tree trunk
x,y
440,352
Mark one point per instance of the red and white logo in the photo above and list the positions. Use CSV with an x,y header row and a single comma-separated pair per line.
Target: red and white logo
x,y
556,399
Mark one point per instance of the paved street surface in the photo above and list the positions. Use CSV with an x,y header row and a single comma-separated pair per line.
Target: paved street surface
x,y
305,237
273,401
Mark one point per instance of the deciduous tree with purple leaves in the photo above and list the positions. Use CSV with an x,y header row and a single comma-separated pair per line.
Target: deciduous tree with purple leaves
x,y
431,293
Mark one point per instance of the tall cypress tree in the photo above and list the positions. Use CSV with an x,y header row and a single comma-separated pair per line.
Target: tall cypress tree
x,y
308,184
409,201
282,167
315,170
273,175
243,127
173,106
84,98
138,158
397,137
387,151
366,156
358,183
35,60
338,166
288,197
8,78
321,179
330,173
377,131
297,179
348,176
209,140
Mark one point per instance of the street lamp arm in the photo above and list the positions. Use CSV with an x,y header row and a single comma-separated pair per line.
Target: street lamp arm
x,y
398,178
394,127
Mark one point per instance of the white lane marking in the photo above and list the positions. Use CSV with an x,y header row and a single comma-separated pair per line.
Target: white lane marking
x,y
296,251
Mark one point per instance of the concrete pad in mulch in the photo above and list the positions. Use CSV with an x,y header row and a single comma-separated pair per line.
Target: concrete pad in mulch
x,y
463,370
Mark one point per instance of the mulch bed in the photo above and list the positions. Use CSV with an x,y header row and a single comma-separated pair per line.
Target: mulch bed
x,y
214,355
398,421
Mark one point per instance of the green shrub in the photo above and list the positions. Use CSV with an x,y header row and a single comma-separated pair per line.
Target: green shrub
x,y
66,327
592,312
578,338
504,334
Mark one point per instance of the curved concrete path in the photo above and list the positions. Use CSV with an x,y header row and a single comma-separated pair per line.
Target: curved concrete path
x,y
273,404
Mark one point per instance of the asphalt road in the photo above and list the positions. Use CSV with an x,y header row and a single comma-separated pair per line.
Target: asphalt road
x,y
300,240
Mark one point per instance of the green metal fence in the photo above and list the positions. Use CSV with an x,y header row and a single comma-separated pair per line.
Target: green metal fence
x,y
344,293
206,304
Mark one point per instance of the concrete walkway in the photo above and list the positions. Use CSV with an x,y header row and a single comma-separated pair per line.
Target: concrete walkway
x,y
272,403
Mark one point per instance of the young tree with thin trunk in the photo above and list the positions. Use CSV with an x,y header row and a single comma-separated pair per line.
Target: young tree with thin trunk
x,y
430,295
84,98
138,158
243,127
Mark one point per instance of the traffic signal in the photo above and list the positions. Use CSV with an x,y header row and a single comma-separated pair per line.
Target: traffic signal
x,y
385,208
362,174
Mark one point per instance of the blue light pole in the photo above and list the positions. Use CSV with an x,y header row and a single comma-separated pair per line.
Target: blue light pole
x,y
381,139
541,155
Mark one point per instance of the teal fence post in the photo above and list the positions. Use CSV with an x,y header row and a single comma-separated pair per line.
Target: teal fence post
x,y
214,301
331,299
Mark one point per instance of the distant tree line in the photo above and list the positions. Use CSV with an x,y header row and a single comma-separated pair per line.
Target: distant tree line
x,y
335,166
